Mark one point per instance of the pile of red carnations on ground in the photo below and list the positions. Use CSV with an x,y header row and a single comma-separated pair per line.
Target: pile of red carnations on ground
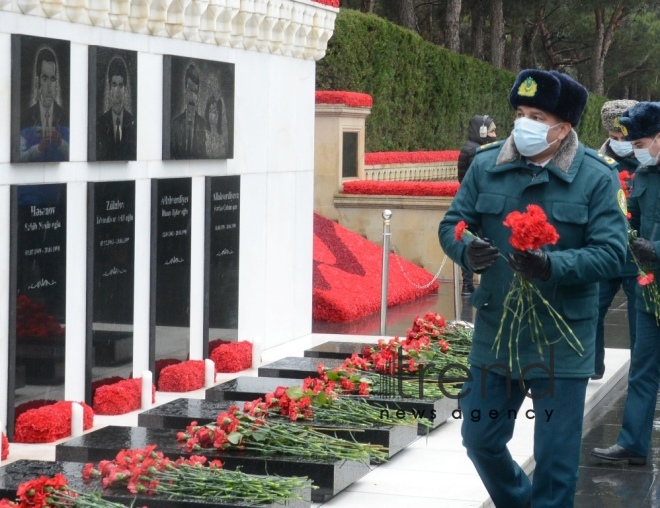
x,y
347,275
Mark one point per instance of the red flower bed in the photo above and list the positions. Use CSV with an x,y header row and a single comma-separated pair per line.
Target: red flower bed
x,y
120,398
49,423
370,187
232,357
347,271
350,99
182,377
4,453
374,158
331,3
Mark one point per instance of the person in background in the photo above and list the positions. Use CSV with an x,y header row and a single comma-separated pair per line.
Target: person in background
x,y
541,163
481,131
622,152
641,125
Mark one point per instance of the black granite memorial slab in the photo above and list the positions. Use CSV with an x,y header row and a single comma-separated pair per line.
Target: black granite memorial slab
x,y
37,295
331,477
296,367
438,411
223,205
12,475
178,414
337,350
248,388
171,250
110,276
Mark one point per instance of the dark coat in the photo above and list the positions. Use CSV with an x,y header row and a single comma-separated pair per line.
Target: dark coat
x,y
178,141
629,164
469,149
644,208
577,189
107,148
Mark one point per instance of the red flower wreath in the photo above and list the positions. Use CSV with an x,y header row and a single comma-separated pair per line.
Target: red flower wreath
x,y
120,398
182,377
232,357
49,423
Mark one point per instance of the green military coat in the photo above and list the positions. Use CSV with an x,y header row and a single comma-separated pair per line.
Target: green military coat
x,y
644,208
578,190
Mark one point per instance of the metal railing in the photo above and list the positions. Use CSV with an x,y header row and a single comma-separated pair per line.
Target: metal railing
x,y
387,216
412,172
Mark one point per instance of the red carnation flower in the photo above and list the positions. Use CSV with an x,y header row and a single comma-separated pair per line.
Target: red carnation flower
x,y
458,231
645,279
530,230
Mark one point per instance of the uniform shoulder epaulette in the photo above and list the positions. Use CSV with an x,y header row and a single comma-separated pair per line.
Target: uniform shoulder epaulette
x,y
605,159
490,146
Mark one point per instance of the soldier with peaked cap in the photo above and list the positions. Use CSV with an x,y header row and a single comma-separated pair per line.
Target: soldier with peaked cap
x,y
641,125
621,151
541,163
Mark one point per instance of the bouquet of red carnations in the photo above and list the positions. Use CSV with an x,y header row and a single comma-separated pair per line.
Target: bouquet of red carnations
x,y
530,230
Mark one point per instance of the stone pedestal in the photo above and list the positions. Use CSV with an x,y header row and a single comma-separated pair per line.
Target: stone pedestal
x,y
180,412
331,477
332,121
12,475
438,411
296,367
336,350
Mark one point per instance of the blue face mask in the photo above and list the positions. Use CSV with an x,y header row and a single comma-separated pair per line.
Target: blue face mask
x,y
644,157
621,148
531,137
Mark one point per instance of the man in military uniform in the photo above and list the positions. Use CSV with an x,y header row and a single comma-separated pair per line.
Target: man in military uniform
x,y
641,125
541,163
621,151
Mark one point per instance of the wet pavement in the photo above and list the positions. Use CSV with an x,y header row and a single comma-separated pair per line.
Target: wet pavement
x,y
600,485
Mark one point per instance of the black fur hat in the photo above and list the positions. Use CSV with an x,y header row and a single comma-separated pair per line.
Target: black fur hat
x,y
640,121
550,91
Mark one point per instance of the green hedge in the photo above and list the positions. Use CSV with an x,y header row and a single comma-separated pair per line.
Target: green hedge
x,y
424,95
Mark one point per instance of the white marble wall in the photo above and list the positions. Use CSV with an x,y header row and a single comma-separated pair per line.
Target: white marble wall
x,y
273,153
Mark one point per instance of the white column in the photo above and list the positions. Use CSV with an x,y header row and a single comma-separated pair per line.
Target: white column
x,y
4,301
76,290
142,268
197,268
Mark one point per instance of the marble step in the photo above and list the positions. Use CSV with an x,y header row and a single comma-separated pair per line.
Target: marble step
x,y
336,349
178,414
331,477
15,473
297,367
